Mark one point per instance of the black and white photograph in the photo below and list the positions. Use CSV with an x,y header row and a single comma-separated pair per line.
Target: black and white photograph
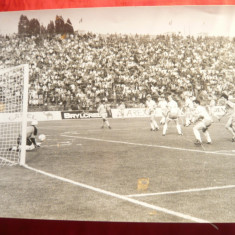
x,y
122,114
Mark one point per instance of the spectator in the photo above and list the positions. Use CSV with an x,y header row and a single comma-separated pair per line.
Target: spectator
x,y
86,68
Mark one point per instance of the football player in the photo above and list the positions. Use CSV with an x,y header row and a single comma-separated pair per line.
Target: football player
x,y
122,107
102,110
173,113
202,121
151,106
230,110
162,104
188,110
31,133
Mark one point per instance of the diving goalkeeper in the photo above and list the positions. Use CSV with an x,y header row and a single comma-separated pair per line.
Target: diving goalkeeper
x,y
31,133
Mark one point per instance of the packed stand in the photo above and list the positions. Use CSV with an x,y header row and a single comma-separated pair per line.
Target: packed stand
x,y
77,71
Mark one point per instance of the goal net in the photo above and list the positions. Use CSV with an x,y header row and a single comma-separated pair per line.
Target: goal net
x,y
13,114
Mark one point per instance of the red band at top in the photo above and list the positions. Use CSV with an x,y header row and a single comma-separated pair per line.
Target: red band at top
x,y
19,5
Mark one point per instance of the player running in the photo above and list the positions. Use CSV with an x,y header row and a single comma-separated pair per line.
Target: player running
x,y
102,110
203,121
151,106
172,114
230,110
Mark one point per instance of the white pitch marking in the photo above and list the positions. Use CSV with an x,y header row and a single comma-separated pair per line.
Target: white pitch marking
x,y
65,142
150,145
91,130
182,191
131,129
124,198
52,127
59,144
225,151
45,127
71,132
56,140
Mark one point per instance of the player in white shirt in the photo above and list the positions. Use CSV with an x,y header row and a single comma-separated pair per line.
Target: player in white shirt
x,y
202,121
188,110
122,107
230,110
172,114
162,104
211,106
102,110
151,106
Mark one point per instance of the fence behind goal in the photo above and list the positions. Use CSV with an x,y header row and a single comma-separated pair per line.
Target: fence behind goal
x,y
13,101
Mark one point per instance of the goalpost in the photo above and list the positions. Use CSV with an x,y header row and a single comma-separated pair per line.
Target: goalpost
x,y
13,114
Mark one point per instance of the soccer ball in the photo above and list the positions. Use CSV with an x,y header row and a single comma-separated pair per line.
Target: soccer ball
x,y
42,137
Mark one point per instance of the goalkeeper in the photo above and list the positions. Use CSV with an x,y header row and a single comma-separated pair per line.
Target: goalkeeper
x,y
31,133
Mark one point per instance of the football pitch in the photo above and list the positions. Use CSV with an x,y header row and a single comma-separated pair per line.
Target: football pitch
x,y
128,173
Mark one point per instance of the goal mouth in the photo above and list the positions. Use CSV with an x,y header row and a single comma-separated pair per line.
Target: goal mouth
x,y
13,114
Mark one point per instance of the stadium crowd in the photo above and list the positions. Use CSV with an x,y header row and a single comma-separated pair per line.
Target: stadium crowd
x,y
76,71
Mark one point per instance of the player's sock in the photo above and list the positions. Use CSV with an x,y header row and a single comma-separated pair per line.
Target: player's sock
x,y
207,135
197,134
156,127
152,126
162,122
187,122
107,123
29,147
164,129
178,127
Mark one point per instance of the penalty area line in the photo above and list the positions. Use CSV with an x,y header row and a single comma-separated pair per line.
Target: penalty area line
x,y
121,197
131,129
151,145
182,191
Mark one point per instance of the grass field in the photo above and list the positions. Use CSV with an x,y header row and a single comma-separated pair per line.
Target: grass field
x,y
83,172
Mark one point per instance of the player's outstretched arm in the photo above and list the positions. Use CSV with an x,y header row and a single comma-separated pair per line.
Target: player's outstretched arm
x,y
34,142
